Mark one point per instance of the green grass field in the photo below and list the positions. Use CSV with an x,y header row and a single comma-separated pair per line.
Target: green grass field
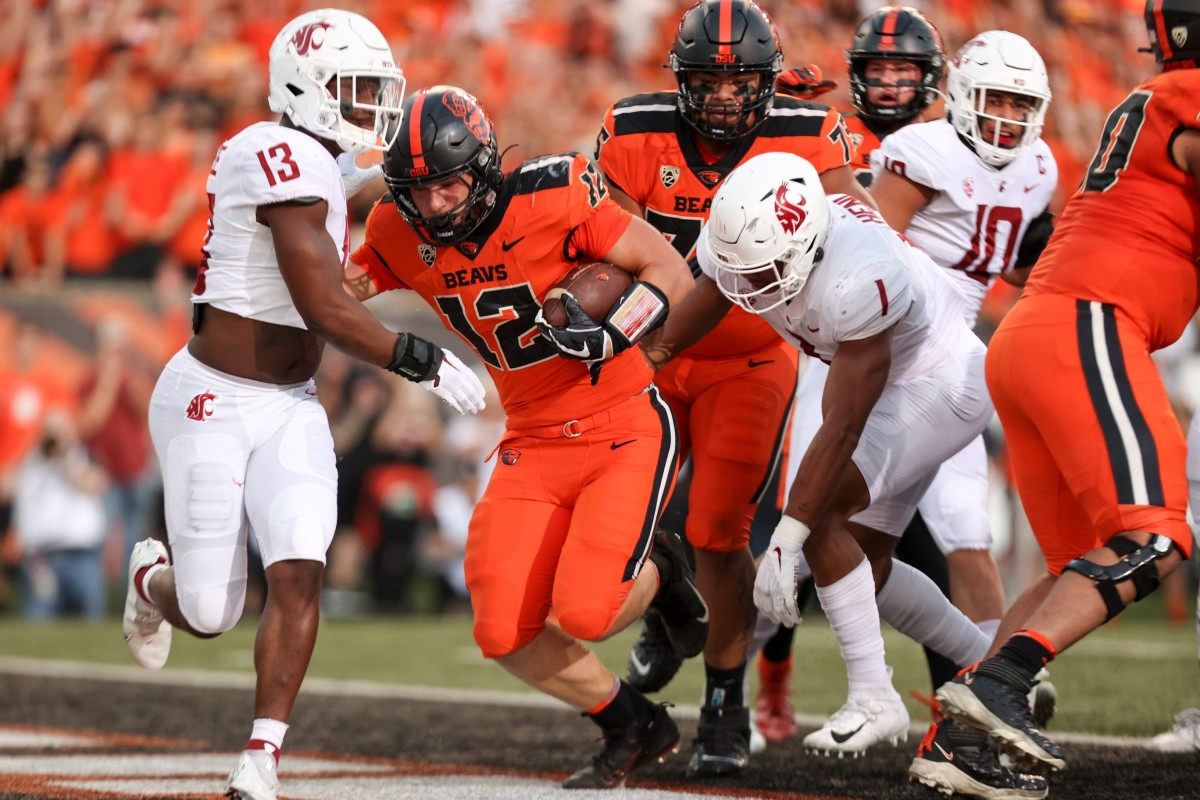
x,y
1126,679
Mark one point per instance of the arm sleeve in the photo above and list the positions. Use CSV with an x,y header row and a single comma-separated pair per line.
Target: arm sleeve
x,y
910,156
379,252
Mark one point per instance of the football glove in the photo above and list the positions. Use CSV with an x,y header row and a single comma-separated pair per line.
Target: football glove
x,y
804,83
583,339
775,584
355,178
457,385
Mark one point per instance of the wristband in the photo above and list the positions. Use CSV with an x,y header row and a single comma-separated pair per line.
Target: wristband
x,y
414,358
791,530
638,311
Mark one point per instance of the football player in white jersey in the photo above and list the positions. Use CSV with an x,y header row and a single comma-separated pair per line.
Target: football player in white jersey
x,y
973,192
243,442
904,392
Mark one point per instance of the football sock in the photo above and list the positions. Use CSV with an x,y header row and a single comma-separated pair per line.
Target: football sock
x,y
779,647
913,604
849,605
141,579
623,707
723,687
1021,657
267,734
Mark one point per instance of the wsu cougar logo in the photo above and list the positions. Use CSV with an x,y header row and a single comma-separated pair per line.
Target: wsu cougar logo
x,y
304,39
788,209
201,406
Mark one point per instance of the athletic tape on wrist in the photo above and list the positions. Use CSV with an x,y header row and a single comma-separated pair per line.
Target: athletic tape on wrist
x,y
791,530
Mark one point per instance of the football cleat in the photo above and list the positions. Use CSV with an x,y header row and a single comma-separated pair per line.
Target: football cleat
x,y
680,604
147,634
254,778
1183,736
1002,712
653,661
957,760
626,749
723,743
773,711
871,715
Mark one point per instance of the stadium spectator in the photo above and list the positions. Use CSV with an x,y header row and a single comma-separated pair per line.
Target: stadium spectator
x,y
581,430
59,523
243,442
1096,448
113,402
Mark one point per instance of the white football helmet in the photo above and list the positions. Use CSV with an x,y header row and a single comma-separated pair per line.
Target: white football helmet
x,y
765,231
309,60
996,61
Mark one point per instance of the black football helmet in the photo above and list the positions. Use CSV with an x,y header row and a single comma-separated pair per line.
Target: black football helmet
x,y
1174,27
903,33
445,133
726,36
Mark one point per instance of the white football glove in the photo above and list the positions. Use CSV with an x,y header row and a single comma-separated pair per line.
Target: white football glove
x,y
355,178
775,584
457,384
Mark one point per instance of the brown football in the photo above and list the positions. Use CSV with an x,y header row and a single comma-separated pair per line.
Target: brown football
x,y
595,286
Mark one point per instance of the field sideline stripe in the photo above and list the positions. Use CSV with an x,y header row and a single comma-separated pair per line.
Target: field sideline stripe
x,y
197,678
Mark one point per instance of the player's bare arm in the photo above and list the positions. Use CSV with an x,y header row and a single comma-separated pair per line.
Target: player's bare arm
x,y
310,264
1185,152
645,254
841,180
857,376
687,323
357,282
625,201
899,199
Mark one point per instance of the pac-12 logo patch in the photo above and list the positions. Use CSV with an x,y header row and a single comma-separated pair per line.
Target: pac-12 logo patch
x,y
668,175
428,253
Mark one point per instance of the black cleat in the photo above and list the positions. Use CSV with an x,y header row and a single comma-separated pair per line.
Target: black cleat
x,y
957,760
653,661
723,746
626,749
1002,712
678,602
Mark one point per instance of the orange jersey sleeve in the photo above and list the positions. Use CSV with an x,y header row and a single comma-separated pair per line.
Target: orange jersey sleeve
x,y
648,151
864,141
550,214
1131,234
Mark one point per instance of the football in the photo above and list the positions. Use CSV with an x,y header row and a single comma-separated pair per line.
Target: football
x,y
595,286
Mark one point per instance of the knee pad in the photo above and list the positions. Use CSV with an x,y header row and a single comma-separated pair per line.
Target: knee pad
x,y
213,610
1136,564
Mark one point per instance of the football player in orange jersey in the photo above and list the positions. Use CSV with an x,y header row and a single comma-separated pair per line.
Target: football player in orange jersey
x,y
665,155
568,519
1096,449
895,62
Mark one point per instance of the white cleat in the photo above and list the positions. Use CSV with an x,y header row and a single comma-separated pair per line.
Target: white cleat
x,y
870,716
254,778
1183,737
147,634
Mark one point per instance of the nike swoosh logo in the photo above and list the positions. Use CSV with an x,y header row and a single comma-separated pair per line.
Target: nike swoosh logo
x,y
779,557
811,329
752,363
842,738
615,445
638,666
942,750
506,246
969,678
1029,189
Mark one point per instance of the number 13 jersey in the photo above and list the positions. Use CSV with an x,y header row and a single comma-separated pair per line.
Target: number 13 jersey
x,y
264,164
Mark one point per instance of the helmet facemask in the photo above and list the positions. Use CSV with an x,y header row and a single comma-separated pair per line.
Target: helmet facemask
x,y
749,110
452,226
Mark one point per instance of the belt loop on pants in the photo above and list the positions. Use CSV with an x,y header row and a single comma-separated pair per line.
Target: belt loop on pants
x,y
571,429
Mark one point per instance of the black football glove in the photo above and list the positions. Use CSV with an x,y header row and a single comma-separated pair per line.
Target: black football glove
x,y
582,339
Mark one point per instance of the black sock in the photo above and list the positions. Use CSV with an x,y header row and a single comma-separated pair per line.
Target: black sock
x,y
630,707
1021,657
723,687
779,647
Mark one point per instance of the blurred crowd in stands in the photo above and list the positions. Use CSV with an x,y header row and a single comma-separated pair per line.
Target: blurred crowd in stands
x,y
113,110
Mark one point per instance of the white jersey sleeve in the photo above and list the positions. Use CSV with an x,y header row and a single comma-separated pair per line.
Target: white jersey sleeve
x,y
869,300
263,165
974,224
